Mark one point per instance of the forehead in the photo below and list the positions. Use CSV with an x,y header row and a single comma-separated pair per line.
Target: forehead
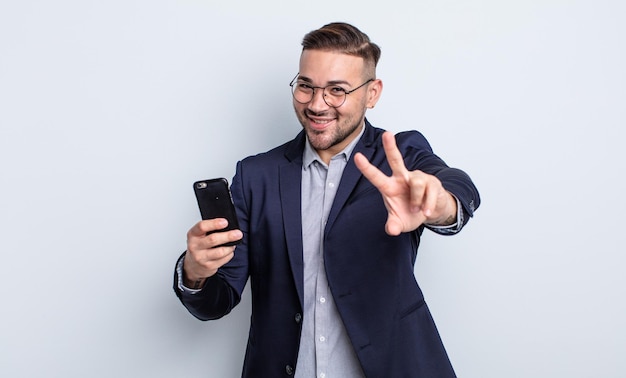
x,y
325,66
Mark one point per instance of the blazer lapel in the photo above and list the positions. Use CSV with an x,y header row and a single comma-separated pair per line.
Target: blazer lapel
x,y
290,178
351,174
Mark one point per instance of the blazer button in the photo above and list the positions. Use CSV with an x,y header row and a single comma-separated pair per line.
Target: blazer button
x,y
298,317
289,370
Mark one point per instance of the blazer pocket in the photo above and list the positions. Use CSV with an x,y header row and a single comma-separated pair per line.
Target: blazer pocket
x,y
411,309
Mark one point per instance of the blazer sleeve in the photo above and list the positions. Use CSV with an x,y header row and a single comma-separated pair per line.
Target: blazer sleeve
x,y
419,155
214,300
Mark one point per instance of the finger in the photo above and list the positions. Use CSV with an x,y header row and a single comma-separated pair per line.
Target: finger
x,y
201,228
371,172
394,157
223,260
434,193
429,201
213,240
212,246
207,262
425,190
216,239
416,191
393,227
217,257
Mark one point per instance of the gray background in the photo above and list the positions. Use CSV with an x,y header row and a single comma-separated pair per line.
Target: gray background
x,y
110,110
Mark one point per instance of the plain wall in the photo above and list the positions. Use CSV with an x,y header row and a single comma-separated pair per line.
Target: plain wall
x,y
109,111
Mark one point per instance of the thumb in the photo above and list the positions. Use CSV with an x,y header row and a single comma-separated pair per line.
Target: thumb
x,y
393,226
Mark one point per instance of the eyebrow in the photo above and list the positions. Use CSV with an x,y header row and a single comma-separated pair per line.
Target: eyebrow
x,y
332,82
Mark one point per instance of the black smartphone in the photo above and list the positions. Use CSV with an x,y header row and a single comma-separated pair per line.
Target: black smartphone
x,y
215,201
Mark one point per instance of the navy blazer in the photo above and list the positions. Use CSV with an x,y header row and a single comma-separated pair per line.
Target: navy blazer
x,y
370,273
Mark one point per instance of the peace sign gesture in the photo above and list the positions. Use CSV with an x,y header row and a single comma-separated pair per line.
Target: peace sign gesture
x,y
411,197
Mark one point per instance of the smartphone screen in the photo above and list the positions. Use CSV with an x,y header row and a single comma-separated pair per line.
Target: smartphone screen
x,y
215,201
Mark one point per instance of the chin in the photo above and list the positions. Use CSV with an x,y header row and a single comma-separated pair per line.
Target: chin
x,y
320,140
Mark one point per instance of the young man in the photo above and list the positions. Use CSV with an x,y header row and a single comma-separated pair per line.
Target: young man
x,y
330,226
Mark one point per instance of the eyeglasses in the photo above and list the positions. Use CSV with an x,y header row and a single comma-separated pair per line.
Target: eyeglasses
x,y
333,95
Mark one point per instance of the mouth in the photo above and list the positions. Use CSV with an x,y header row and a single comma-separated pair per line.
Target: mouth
x,y
319,123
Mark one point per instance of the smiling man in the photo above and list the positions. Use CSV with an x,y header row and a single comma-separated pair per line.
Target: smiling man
x,y
330,226
330,121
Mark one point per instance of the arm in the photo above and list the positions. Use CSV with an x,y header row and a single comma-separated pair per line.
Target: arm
x,y
197,282
222,271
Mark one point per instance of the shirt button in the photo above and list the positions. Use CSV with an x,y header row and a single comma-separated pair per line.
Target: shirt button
x,y
289,370
322,375
323,300
298,317
332,185
322,338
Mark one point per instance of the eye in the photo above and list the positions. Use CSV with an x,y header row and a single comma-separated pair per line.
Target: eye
x,y
336,91
304,87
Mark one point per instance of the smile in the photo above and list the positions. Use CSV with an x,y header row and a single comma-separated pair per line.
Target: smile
x,y
320,124
320,121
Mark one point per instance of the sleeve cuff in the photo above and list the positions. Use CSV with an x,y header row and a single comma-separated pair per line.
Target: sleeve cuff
x,y
179,271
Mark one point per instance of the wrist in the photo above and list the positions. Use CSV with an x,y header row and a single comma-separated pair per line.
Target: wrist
x,y
193,283
191,279
449,216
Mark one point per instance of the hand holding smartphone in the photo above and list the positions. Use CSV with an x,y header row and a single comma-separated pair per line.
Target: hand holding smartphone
x,y
214,201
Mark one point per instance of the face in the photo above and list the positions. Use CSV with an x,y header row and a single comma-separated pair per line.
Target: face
x,y
330,129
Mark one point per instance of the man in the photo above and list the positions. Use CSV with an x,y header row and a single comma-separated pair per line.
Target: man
x,y
330,226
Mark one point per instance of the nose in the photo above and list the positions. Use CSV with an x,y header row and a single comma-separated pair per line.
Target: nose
x,y
318,103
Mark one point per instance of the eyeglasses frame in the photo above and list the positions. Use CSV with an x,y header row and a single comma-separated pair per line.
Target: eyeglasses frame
x,y
346,93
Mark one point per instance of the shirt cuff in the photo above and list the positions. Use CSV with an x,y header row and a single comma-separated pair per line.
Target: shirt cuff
x,y
179,272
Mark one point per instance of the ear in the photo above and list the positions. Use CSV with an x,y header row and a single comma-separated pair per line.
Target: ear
x,y
374,91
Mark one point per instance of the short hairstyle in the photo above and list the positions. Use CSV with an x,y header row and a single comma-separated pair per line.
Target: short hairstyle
x,y
343,38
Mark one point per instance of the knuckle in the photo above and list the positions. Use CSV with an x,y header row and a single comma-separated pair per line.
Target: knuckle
x,y
416,179
224,252
212,240
204,227
192,246
190,234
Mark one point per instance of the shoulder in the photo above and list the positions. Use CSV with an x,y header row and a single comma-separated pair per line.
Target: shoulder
x,y
412,139
406,140
286,152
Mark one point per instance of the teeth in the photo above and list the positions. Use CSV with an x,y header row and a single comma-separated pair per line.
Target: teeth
x,y
319,121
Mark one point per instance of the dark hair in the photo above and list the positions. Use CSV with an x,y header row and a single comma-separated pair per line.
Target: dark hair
x,y
344,38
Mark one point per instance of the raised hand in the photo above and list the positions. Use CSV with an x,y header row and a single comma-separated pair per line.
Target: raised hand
x,y
411,197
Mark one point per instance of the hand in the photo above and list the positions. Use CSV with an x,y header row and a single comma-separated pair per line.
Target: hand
x,y
411,197
205,253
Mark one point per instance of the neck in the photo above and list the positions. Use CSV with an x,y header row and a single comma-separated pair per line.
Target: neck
x,y
327,154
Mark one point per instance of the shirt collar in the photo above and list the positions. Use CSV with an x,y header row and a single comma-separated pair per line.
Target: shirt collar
x,y
310,155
